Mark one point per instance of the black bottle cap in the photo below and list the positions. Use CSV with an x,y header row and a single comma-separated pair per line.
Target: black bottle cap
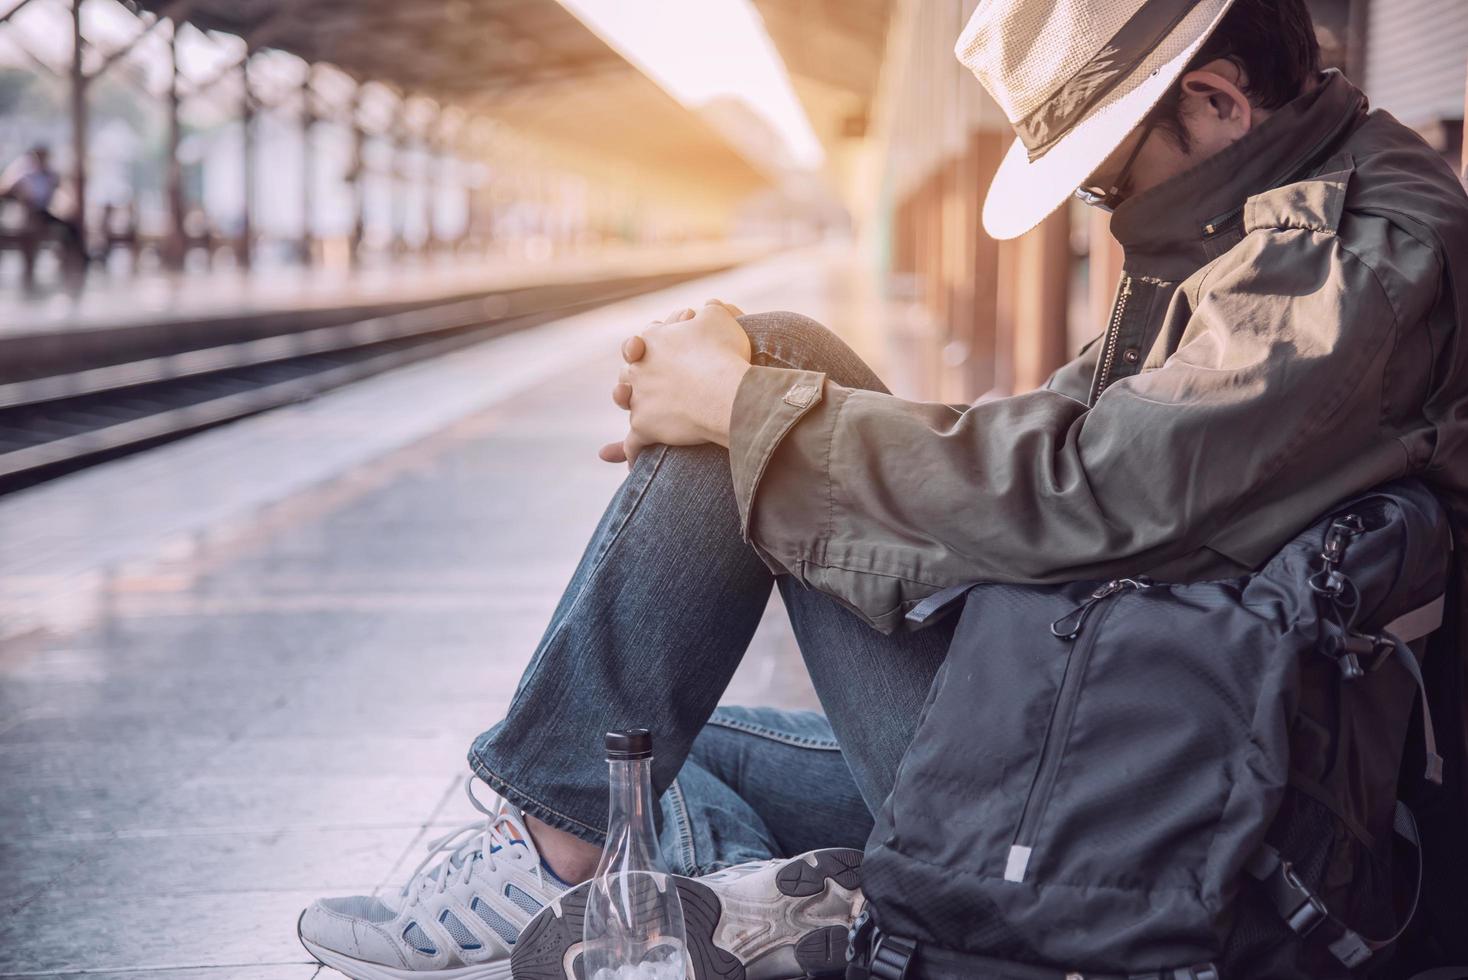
x,y
629,743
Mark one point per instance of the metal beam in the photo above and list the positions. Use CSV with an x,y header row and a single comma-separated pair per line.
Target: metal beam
x,y
175,246
262,35
175,11
19,39
14,9
78,90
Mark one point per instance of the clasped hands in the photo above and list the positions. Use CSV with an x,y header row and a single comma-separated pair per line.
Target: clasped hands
x,y
679,380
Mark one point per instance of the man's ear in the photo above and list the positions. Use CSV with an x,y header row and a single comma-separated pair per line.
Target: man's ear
x,y
1218,97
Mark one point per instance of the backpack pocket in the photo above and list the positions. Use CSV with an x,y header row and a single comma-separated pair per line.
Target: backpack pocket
x,y
1079,757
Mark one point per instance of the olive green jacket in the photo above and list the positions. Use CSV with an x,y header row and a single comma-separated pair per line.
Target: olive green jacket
x,y
1284,336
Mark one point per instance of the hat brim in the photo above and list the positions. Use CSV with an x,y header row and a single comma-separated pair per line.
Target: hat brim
x,y
1024,192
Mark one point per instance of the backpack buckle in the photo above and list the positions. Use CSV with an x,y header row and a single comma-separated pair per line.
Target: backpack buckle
x,y
875,954
890,957
859,936
1205,972
1310,912
1357,654
1351,950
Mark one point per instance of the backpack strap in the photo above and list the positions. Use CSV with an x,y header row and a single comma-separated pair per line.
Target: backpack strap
x,y
1412,626
872,954
1205,971
1359,653
1307,915
1434,766
935,606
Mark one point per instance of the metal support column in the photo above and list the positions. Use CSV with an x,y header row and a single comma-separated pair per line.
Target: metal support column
x,y
433,144
175,245
308,170
244,245
397,169
1041,279
355,175
79,121
986,150
464,151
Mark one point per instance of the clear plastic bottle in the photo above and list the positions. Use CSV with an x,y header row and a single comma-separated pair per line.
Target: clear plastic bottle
x,y
634,920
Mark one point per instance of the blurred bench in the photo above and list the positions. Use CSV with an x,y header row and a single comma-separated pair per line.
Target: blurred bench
x,y
30,239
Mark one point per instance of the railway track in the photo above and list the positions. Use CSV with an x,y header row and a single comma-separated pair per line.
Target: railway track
x,y
57,423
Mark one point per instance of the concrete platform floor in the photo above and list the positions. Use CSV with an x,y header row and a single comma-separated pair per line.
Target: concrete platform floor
x,y
241,671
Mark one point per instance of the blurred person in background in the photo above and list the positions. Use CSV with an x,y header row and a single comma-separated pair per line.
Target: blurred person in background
x,y
32,182
1286,336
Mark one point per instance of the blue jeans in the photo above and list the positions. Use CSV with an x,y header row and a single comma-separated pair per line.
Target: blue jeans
x,y
649,632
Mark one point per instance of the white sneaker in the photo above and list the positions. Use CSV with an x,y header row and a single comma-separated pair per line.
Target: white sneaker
x,y
456,920
758,921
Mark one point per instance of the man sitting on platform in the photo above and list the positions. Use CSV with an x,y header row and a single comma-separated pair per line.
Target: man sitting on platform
x,y
1282,339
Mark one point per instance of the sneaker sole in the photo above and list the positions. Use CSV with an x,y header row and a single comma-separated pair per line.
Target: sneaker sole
x,y
363,970
546,949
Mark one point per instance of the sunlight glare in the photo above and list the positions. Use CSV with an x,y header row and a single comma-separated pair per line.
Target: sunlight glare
x,y
700,52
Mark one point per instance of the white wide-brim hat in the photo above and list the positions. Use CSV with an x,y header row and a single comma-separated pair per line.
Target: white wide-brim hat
x,y
1073,77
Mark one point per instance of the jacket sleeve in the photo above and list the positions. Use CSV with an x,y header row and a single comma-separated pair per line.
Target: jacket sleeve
x,y
879,501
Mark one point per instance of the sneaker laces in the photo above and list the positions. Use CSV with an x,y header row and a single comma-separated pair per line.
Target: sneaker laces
x,y
502,827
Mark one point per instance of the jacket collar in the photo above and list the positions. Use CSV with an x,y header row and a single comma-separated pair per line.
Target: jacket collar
x,y
1165,231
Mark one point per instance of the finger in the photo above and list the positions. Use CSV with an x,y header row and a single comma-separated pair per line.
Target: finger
x,y
633,349
622,396
677,315
612,452
733,310
632,447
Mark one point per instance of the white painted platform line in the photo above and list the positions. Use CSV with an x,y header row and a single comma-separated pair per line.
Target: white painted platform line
x,y
61,540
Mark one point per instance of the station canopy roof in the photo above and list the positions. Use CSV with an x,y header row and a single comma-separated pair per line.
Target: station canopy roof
x,y
530,63
833,50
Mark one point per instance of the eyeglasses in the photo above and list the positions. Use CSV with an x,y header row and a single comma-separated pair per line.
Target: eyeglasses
x,y
1108,198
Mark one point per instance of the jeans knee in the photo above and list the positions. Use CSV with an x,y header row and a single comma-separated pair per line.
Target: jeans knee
x,y
703,467
792,340
779,329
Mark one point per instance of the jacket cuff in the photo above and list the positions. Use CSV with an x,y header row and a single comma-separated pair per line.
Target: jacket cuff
x,y
767,405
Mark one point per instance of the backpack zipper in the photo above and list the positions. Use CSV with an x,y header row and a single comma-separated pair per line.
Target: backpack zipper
x,y
1068,627
1113,337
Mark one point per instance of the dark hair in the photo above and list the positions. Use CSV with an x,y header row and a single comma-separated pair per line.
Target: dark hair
x,y
1272,41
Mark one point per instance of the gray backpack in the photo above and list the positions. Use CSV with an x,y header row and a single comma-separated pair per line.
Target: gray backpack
x,y
1136,780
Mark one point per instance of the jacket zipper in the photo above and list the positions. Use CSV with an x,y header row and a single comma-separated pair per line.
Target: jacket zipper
x,y
1217,225
1113,337
1068,627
